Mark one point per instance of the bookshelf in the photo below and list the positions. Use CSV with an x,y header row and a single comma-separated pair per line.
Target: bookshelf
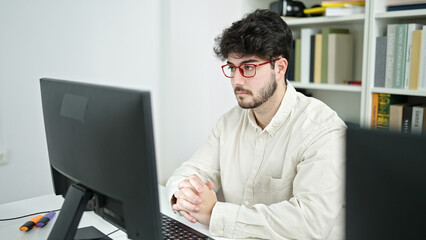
x,y
379,19
354,103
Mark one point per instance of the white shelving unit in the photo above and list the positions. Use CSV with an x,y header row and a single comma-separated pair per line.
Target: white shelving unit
x,y
353,103
379,19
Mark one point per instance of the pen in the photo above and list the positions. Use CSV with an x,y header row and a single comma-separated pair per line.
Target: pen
x,y
45,219
31,223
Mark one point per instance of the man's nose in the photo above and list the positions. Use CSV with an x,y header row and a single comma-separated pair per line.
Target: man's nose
x,y
238,78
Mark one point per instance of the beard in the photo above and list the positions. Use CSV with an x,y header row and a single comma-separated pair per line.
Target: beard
x,y
264,94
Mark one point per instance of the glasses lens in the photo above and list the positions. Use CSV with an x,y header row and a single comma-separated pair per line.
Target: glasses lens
x,y
228,70
249,70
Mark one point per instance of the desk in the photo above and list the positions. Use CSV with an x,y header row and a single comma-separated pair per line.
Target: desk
x,y
10,229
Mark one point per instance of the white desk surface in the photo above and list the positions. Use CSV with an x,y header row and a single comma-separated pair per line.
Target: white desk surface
x,y
10,229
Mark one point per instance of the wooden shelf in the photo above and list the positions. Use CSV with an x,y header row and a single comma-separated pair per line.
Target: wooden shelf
x,y
327,87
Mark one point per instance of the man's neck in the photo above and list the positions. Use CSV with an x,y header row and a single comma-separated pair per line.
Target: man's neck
x,y
265,112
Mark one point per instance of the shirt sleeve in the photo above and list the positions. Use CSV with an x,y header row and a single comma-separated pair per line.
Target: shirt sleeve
x,y
204,163
310,213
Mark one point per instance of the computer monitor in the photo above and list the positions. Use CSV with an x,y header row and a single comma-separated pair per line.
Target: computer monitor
x,y
101,151
385,185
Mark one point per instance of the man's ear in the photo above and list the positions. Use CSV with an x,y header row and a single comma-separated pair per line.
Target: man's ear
x,y
281,66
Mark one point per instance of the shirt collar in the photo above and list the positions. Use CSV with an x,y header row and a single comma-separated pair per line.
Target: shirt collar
x,y
287,104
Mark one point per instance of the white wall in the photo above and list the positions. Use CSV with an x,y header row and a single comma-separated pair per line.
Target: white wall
x,y
99,41
195,92
163,46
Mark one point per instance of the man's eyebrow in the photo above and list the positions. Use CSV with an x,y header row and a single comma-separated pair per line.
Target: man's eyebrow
x,y
243,62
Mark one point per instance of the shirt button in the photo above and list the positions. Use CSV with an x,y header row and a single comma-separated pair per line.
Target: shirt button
x,y
246,203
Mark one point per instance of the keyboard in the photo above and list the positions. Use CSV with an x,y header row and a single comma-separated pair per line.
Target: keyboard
x,y
173,229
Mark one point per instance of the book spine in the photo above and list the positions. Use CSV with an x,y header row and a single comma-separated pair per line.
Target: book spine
x,y
390,51
380,62
317,63
408,53
400,52
422,65
305,53
383,112
290,69
417,120
406,119
340,57
415,60
374,110
395,117
297,60
312,60
324,57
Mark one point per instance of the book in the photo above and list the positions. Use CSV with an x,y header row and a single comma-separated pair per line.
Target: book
x,y
297,60
422,64
305,53
385,100
406,119
343,3
344,11
417,119
400,52
340,58
415,60
290,68
312,60
380,62
406,7
409,45
390,52
396,117
324,57
374,110
318,57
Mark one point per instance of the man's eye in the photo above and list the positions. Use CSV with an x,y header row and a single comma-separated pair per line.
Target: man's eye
x,y
231,68
248,67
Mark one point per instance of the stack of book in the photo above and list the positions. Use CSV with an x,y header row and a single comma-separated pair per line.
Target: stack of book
x,y
401,57
338,8
395,113
399,5
322,56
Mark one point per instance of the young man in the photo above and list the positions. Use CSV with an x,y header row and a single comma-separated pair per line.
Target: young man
x,y
278,157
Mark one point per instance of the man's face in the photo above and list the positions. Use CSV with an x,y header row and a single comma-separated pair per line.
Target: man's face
x,y
253,92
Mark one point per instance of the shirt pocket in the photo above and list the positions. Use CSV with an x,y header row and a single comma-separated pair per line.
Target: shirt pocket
x,y
276,189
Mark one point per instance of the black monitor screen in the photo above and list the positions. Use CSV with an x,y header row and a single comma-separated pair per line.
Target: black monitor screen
x,y
385,185
101,151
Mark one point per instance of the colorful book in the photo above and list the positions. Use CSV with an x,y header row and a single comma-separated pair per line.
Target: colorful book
x,y
411,28
318,57
340,58
400,52
380,62
297,60
385,100
305,53
406,7
415,59
374,110
417,119
324,57
390,52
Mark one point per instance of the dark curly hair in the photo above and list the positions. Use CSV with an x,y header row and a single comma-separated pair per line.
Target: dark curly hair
x,y
262,33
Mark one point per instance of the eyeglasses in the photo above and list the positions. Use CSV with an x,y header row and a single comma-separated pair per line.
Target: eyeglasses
x,y
246,70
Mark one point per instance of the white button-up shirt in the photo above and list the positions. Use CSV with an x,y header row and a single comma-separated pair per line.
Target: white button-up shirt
x,y
283,182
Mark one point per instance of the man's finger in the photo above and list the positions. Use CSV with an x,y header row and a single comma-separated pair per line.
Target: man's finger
x,y
196,182
190,195
188,216
210,185
183,204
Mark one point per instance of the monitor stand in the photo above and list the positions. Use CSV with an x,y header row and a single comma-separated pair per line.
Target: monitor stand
x,y
72,210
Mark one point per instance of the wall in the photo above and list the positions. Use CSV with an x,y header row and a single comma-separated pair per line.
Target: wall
x,y
195,92
99,41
